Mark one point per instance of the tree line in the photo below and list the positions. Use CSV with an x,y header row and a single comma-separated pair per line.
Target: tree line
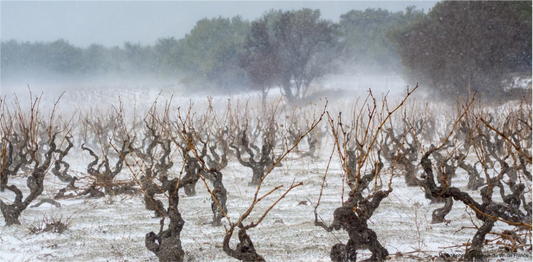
x,y
219,52
456,44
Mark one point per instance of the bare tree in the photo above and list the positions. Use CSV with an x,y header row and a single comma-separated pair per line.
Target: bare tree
x,y
514,209
354,214
27,123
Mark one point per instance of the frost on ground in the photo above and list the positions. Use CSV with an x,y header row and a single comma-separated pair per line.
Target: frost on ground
x,y
113,228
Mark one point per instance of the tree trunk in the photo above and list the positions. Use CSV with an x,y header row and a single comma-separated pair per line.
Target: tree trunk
x,y
167,244
263,99
474,253
11,213
410,179
258,174
190,189
288,92
440,213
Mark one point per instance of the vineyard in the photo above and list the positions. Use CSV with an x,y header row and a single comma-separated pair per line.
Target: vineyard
x,y
158,178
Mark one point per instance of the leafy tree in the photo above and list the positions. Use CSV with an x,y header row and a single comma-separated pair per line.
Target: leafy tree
x,y
99,60
473,44
259,59
55,57
12,53
522,61
210,52
139,59
166,51
299,45
64,57
366,44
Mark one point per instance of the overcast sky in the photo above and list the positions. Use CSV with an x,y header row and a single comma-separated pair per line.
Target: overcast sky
x,y
112,23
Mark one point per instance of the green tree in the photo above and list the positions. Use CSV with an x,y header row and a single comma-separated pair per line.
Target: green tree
x,y
293,47
167,53
366,41
209,53
473,44
259,58
12,53
98,59
54,57
64,57
522,61
139,59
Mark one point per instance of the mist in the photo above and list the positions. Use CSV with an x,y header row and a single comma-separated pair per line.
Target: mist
x,y
61,47
359,124
197,48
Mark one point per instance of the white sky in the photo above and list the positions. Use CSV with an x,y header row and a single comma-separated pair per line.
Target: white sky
x,y
112,23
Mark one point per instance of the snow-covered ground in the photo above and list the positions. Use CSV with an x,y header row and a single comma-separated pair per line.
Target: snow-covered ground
x,y
113,228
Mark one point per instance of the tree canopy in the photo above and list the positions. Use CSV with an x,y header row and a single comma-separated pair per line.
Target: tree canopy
x,y
474,44
289,49
210,51
366,43
467,44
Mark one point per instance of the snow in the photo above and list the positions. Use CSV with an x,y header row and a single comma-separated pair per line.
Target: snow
x,y
113,228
